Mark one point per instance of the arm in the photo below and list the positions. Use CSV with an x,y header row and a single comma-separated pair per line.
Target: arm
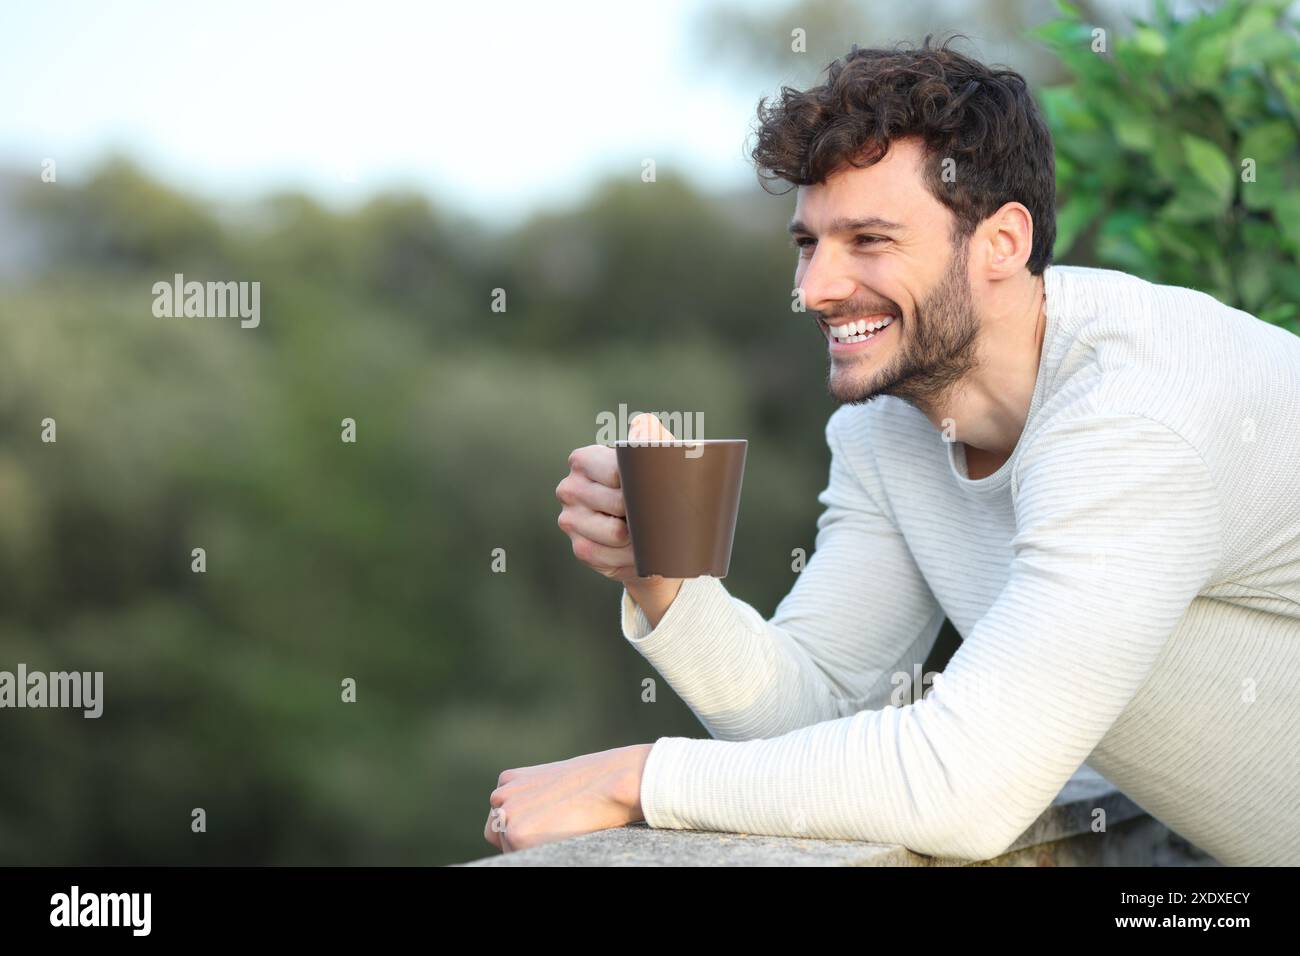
x,y
833,644
1118,530
651,600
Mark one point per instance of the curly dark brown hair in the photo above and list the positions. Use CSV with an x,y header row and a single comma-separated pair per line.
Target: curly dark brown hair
x,y
984,119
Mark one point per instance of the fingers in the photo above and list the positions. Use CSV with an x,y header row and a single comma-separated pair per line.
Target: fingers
x,y
600,541
601,529
577,489
595,510
602,558
598,463
490,833
494,829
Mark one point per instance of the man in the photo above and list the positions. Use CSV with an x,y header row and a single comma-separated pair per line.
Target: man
x,y
1096,478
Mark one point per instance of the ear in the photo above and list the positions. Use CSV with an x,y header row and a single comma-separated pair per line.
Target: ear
x,y
1004,240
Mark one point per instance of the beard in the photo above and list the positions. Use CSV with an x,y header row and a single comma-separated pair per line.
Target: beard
x,y
934,351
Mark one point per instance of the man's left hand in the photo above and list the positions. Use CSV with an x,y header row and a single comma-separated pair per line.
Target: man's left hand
x,y
554,801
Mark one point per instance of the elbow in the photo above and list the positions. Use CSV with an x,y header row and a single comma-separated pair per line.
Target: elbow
x,y
989,847
978,833
976,844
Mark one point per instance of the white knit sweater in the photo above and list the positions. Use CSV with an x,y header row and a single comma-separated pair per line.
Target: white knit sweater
x,y
1126,585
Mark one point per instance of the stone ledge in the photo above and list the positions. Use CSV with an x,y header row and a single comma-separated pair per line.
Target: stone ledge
x,y
1062,836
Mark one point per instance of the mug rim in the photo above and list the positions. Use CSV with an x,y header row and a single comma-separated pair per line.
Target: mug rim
x,y
672,443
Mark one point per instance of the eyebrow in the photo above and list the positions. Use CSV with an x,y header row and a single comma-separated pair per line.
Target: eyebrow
x,y
847,224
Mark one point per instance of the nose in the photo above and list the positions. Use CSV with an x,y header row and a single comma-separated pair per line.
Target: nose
x,y
823,279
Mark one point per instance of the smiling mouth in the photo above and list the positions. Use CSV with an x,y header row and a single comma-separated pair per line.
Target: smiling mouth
x,y
859,330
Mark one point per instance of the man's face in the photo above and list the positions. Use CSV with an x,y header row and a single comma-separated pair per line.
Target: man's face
x,y
874,245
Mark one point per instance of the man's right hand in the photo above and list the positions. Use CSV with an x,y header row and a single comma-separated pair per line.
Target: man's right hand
x,y
595,519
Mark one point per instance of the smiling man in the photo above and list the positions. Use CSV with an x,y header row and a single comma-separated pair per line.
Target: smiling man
x,y
1096,478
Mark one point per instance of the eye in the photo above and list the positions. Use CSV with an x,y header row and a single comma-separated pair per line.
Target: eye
x,y
867,240
803,242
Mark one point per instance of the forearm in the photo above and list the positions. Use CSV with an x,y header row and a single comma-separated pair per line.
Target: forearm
x,y
842,780
654,596
742,676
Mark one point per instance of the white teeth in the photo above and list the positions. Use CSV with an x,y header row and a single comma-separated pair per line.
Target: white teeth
x,y
851,332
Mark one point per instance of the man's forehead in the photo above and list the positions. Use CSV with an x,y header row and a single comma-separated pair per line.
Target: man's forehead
x,y
850,202
886,188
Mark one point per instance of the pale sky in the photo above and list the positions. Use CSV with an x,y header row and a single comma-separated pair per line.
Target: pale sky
x,y
492,107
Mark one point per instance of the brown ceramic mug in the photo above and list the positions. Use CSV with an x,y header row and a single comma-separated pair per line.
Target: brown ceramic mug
x,y
682,498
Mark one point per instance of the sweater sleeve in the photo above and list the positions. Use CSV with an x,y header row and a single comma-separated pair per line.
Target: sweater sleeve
x,y
832,647
1117,530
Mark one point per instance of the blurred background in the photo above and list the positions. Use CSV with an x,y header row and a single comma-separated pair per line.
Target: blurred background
x,y
381,169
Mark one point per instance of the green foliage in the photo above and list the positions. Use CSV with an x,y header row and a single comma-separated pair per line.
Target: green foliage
x,y
372,560
328,560
1157,139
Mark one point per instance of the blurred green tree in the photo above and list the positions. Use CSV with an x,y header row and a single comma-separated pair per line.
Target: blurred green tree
x,y
373,560
1178,150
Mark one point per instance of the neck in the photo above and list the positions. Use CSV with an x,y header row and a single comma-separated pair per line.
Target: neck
x,y
988,407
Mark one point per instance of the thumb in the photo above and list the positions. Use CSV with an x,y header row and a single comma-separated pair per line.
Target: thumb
x,y
648,427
